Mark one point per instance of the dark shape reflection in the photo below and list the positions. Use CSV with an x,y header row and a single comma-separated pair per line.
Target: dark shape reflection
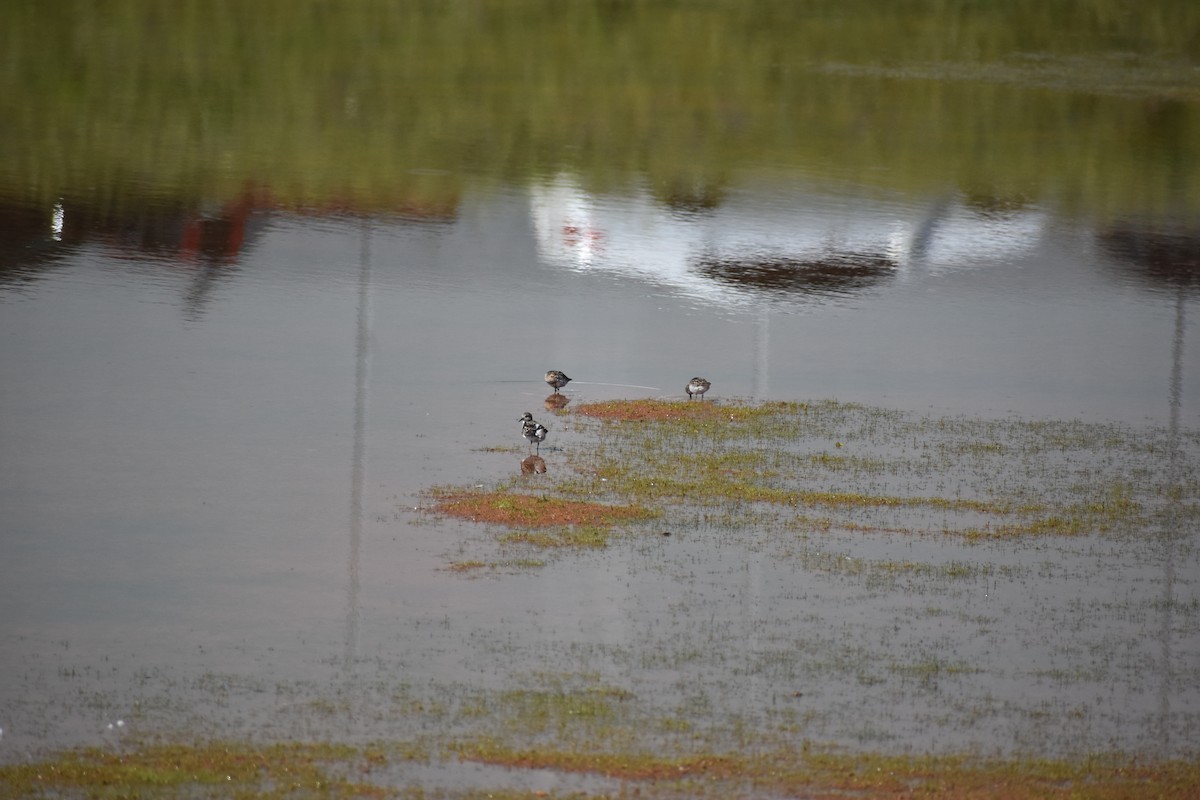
x,y
29,245
556,402
216,236
692,197
1160,258
204,245
835,275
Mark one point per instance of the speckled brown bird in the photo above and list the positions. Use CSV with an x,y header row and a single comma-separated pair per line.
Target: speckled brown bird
x,y
557,379
697,387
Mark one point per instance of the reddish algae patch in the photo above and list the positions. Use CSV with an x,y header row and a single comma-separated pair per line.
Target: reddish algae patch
x,y
655,410
868,776
512,509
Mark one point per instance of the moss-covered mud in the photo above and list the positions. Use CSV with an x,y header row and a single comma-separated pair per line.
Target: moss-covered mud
x,y
241,770
718,599
836,466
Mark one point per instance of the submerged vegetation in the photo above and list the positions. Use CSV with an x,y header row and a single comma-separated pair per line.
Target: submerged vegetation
x,y
816,487
829,465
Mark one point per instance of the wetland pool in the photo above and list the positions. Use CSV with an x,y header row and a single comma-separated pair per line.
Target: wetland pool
x,y
275,283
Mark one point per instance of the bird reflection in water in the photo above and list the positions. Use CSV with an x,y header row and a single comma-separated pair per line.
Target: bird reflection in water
x,y
533,465
556,402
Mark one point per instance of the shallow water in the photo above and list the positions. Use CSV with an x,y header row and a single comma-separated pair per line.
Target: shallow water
x,y
219,417
211,467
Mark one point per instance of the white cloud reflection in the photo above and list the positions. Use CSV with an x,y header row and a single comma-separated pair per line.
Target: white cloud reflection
x,y
786,247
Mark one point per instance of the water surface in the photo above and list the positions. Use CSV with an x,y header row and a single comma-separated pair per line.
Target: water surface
x,y
248,322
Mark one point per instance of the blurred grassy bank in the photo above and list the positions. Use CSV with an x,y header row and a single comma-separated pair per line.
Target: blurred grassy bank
x,y
1091,106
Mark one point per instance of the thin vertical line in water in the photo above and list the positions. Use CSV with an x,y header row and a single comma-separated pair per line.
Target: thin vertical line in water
x,y
1171,527
357,466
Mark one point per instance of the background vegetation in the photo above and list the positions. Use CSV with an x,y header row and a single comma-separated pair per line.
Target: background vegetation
x,y
381,105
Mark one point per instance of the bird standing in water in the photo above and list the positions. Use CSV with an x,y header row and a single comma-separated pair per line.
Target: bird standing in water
x,y
697,387
534,432
557,379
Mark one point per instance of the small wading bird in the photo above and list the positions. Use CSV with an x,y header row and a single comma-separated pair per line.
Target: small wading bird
x,y
534,432
557,379
697,387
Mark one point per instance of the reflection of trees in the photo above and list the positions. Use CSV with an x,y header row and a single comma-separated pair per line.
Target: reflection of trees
x,y
276,93
836,274
691,196
990,203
